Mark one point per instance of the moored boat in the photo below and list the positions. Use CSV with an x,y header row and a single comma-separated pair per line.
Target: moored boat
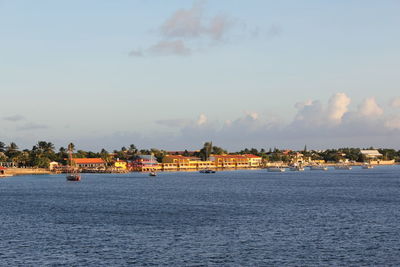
x,y
343,167
152,174
75,177
367,166
207,171
276,169
296,168
318,168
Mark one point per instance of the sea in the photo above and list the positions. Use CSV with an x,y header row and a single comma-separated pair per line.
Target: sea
x,y
230,218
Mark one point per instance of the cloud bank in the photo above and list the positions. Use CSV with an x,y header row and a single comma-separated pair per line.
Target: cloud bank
x,y
316,124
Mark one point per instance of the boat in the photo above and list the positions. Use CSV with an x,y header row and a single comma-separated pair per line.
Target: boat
x,y
296,168
276,169
152,174
3,174
207,171
367,166
318,168
72,173
343,167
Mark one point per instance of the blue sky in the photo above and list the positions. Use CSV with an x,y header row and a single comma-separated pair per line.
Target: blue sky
x,y
173,74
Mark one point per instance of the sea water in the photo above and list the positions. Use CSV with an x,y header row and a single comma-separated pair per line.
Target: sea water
x,y
230,218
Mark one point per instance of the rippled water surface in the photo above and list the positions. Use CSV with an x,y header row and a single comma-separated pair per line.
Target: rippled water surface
x,y
236,218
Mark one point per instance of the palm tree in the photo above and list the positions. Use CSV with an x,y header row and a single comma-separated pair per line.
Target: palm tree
x,y
12,147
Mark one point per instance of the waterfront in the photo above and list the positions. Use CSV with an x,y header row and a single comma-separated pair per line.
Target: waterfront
x,y
235,218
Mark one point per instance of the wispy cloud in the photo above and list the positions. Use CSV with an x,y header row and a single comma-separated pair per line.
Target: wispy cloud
x,y
192,23
176,47
186,30
14,118
174,122
32,126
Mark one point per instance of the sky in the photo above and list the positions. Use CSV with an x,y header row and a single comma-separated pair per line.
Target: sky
x,y
175,74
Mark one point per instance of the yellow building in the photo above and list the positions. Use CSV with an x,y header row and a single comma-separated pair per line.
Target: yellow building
x,y
253,160
121,165
185,163
230,161
237,161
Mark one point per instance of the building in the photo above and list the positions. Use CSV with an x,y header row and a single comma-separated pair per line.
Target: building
x,y
230,161
253,160
89,163
185,163
371,154
144,163
53,165
121,165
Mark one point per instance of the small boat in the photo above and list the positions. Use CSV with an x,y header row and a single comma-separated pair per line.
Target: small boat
x,y
276,169
75,177
318,168
207,171
367,166
152,174
296,168
343,167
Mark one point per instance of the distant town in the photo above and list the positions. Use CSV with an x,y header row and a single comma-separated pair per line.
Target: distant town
x,y
44,158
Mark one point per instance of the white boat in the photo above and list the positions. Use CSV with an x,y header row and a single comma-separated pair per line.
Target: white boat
x,y
342,167
367,166
318,168
276,169
296,168
152,174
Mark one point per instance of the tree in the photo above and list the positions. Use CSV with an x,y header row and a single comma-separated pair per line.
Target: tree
x,y
71,147
2,147
11,150
205,152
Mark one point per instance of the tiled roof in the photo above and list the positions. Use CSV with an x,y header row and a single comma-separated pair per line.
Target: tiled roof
x,y
2,168
251,156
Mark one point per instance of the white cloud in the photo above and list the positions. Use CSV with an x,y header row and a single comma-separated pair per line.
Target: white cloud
x,y
314,113
395,102
337,107
393,122
202,120
369,108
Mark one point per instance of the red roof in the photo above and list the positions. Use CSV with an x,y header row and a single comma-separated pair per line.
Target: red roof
x,y
251,156
2,168
88,161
